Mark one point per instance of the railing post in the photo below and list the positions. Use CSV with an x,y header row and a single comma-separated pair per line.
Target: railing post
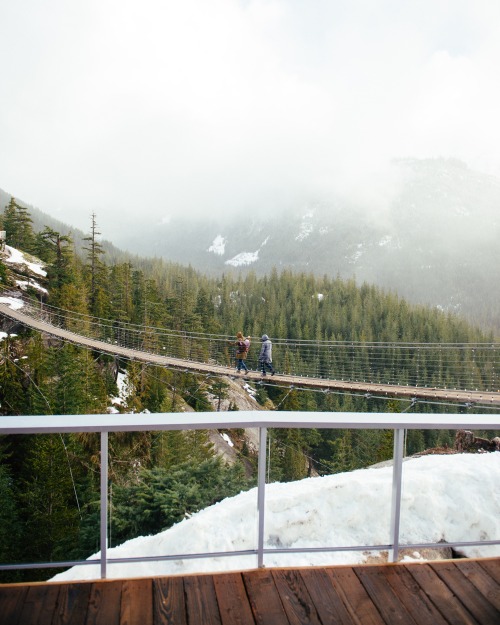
x,y
261,493
397,472
104,503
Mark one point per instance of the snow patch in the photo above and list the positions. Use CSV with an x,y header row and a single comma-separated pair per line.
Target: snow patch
x,y
251,391
245,258
12,302
18,258
24,284
122,384
227,439
218,246
306,227
357,255
4,335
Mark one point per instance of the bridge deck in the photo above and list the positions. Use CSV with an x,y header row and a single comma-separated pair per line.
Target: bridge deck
x,y
433,593
389,390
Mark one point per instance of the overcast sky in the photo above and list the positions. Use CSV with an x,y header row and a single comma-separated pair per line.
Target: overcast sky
x,y
141,109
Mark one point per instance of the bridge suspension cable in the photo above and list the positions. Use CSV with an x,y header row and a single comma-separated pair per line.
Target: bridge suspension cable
x,y
472,367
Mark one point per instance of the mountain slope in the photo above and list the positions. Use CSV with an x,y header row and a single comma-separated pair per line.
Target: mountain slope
x,y
434,241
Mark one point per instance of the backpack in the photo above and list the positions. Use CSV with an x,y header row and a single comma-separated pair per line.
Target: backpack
x,y
241,347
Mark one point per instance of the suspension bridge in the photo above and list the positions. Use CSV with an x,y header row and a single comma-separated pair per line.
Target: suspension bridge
x,y
467,373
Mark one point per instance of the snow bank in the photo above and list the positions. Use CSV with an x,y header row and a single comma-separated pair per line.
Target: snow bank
x,y
450,498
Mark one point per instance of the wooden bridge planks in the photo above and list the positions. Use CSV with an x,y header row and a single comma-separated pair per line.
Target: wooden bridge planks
x,y
434,593
479,397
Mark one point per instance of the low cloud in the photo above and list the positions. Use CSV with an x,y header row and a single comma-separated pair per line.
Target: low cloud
x,y
144,110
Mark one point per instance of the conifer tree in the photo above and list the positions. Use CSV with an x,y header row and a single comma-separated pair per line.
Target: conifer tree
x,y
49,513
13,399
56,250
10,528
164,497
19,227
96,272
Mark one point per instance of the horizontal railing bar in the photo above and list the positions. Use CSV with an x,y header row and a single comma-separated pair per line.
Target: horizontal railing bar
x,y
47,565
472,543
477,543
184,556
47,424
249,552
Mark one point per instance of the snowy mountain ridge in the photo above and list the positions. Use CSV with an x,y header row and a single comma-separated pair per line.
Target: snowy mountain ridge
x,y
433,242
432,238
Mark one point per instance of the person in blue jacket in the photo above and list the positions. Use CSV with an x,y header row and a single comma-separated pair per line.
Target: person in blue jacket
x,y
266,355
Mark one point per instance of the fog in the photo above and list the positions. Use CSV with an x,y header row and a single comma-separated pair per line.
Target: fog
x,y
143,110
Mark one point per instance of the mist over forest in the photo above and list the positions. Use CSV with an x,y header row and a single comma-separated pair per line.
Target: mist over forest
x,y
428,232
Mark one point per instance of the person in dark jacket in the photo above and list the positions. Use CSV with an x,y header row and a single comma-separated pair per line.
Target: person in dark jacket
x,y
266,355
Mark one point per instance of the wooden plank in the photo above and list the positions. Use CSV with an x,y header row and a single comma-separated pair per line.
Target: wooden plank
x,y
328,602
355,598
11,603
72,604
104,603
234,605
421,608
201,600
169,606
492,567
486,585
264,598
40,604
137,602
475,602
383,596
49,604
295,597
438,592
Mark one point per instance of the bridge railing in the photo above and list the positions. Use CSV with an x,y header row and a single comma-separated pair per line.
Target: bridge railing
x,y
105,424
464,366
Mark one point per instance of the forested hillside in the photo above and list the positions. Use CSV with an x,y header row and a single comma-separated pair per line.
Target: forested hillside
x,y
431,236
49,484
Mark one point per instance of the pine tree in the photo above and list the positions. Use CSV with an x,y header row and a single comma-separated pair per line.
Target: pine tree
x,y
164,497
19,227
13,399
49,514
343,458
97,273
56,250
10,529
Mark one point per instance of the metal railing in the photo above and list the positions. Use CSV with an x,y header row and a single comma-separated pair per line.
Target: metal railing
x,y
105,423
468,366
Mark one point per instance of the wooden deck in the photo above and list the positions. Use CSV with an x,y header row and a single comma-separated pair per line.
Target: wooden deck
x,y
431,593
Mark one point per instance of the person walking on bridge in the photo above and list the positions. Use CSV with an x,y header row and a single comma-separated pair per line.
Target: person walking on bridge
x,y
266,355
242,346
